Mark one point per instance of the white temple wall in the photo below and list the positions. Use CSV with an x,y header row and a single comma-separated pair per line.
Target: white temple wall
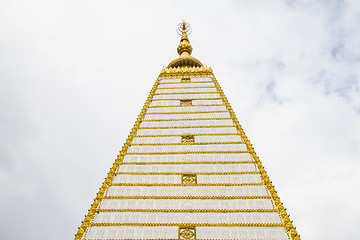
x,y
132,232
189,157
187,116
187,109
177,102
177,139
193,79
187,204
187,123
181,131
191,84
186,90
171,232
176,179
246,233
256,190
243,167
186,148
187,96
185,217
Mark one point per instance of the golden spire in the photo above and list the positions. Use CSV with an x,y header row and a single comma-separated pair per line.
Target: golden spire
x,y
184,49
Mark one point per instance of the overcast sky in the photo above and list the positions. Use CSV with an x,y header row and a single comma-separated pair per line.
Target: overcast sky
x,y
74,75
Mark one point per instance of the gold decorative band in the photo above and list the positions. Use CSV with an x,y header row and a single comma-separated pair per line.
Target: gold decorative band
x,y
177,99
180,173
188,87
189,152
183,162
185,82
185,119
187,93
182,184
198,134
171,127
193,224
198,143
199,105
187,210
187,197
188,112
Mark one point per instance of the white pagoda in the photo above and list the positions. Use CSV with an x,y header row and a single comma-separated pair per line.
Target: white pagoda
x,y
187,170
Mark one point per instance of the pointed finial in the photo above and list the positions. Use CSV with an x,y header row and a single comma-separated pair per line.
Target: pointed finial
x,y
184,47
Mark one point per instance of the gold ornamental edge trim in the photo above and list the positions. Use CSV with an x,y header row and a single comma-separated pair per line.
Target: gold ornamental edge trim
x,y
192,224
185,119
189,152
187,112
183,162
290,229
105,185
180,173
186,210
186,71
187,185
187,197
197,143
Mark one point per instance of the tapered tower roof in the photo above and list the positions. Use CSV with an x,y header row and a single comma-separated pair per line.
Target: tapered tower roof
x,y
187,170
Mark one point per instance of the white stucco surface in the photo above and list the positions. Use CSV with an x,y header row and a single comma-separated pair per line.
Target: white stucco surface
x,y
187,148
191,84
187,96
176,179
224,191
186,90
187,123
189,157
177,102
187,109
188,168
186,217
177,139
187,115
187,204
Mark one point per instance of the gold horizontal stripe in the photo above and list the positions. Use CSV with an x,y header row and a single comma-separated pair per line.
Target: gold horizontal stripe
x,y
181,173
194,162
187,93
187,112
172,127
198,143
185,119
187,210
192,224
177,99
187,185
200,105
198,134
189,152
184,82
187,87
187,197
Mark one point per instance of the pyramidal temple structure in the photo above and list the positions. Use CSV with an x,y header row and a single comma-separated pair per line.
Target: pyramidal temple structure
x,y
187,170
